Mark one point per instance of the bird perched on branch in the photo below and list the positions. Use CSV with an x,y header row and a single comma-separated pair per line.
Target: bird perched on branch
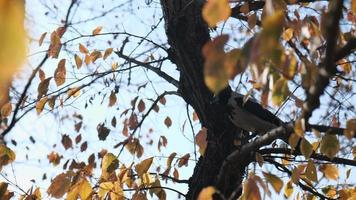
x,y
249,115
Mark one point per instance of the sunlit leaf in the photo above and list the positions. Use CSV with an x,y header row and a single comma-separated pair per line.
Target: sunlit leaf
x,y
54,158
78,61
109,164
310,171
330,171
287,34
274,180
95,55
81,189
306,148
83,49
350,130
288,190
207,193
97,30
251,190
41,104
329,145
7,156
215,11
293,140
280,91
107,53
143,166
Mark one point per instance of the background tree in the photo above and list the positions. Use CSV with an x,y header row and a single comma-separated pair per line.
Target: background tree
x,y
107,85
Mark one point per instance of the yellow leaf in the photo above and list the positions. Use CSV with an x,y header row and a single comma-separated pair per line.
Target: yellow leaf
x,y
109,165
13,43
107,53
60,73
60,185
207,193
276,182
287,34
280,91
104,188
299,127
293,140
143,166
329,145
350,130
97,30
306,148
114,66
330,171
310,171
82,189
83,49
78,61
73,92
6,110
288,190
41,104
7,156
215,11
87,59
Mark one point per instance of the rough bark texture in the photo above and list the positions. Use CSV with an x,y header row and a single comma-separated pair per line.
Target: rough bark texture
x,y
187,33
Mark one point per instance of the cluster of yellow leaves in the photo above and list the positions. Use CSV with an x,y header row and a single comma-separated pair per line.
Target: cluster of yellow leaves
x,y
215,11
7,156
12,40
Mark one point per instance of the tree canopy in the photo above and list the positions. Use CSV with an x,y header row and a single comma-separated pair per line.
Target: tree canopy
x,y
119,99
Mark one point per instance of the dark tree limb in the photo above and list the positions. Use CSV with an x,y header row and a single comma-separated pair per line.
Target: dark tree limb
x,y
317,156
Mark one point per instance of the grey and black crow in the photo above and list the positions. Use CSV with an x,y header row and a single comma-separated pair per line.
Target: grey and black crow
x,y
249,116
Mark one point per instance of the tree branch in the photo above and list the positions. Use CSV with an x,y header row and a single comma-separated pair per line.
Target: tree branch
x,y
316,156
156,70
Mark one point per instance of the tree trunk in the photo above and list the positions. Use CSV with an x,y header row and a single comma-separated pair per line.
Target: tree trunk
x,y
187,33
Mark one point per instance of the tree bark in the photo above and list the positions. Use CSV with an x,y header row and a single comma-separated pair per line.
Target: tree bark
x,y
187,33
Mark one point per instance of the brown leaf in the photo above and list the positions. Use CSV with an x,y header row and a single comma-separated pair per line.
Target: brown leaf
x,y
162,100
350,130
95,55
83,49
107,53
215,11
133,121
78,138
184,160
306,148
168,122
113,122
60,73
42,88
112,99
103,132
170,159
6,110
201,141
97,30
55,45
67,142
84,146
40,41
78,126
78,61
54,158
274,180
141,106
162,141
41,75
310,172
60,185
